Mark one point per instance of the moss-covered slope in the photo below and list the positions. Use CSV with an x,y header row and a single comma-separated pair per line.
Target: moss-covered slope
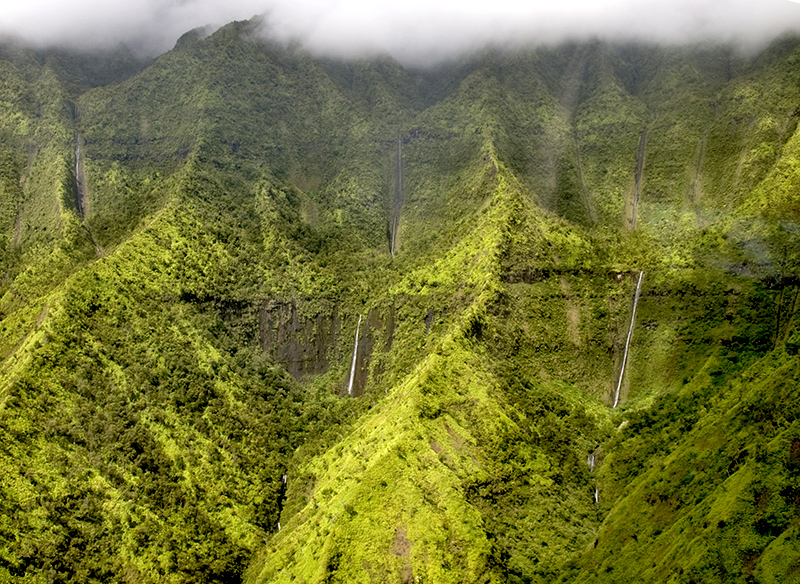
x,y
273,318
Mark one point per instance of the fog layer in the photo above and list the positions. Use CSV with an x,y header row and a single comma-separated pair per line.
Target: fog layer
x,y
411,30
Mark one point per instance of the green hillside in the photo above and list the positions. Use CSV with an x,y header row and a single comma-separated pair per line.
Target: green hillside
x,y
267,317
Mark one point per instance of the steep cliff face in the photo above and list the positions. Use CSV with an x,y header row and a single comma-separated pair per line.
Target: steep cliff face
x,y
348,322
307,345
299,343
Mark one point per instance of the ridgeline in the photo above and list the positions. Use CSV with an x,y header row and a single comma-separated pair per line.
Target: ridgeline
x,y
192,244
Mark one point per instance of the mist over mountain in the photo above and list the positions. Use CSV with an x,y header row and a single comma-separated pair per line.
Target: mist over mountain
x,y
413,32
273,313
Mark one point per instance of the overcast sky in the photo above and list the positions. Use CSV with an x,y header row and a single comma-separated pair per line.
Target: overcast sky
x,y
409,29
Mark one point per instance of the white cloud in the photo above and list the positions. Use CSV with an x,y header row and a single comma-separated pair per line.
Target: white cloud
x,y
416,29
409,29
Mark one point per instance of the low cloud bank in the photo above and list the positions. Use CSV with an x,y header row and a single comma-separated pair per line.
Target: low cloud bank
x,y
414,31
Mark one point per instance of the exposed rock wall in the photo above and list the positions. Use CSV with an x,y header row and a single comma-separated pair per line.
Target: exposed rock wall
x,y
310,341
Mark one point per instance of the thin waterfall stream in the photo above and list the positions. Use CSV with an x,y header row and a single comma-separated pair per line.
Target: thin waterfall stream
x,y
81,197
587,199
355,355
637,177
80,188
398,200
628,340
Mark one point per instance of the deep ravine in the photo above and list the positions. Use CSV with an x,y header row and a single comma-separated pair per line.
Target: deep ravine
x,y
80,191
80,182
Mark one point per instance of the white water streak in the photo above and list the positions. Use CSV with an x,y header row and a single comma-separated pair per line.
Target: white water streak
x,y
399,193
628,340
355,355
79,186
638,176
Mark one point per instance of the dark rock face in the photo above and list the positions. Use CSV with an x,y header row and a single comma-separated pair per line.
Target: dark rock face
x,y
299,341
307,341
377,326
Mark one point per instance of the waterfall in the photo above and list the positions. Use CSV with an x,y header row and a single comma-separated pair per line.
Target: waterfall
x,y
79,185
628,340
596,496
394,231
638,176
590,462
355,355
587,199
640,154
80,192
398,202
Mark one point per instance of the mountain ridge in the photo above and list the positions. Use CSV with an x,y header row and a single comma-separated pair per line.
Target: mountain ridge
x,y
178,340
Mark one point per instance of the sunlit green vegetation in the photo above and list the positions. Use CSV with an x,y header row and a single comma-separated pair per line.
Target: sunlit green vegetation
x,y
188,247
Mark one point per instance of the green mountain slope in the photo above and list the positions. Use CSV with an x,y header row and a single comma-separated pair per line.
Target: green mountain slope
x,y
267,317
